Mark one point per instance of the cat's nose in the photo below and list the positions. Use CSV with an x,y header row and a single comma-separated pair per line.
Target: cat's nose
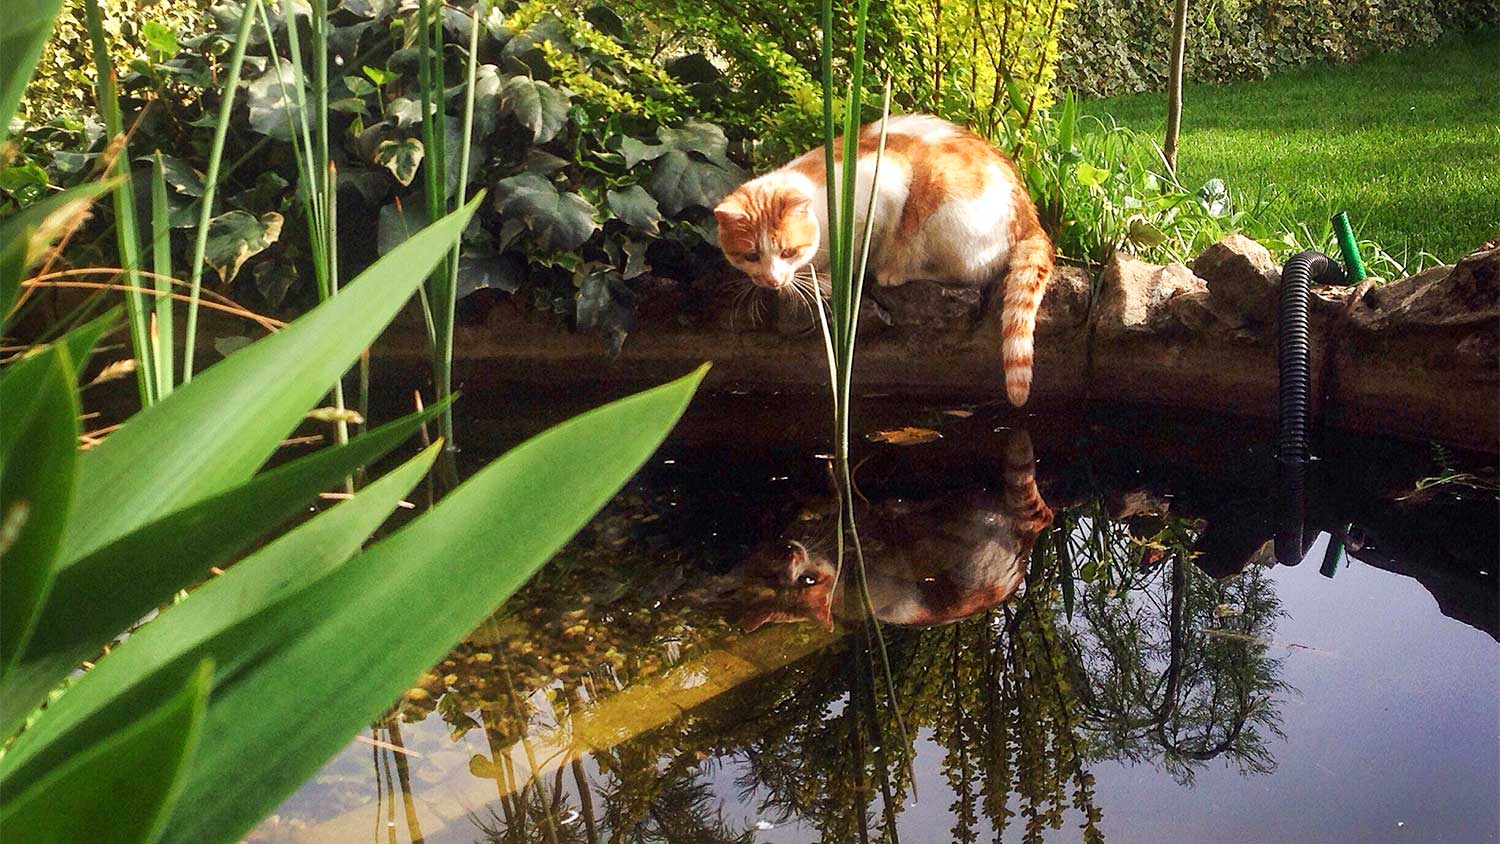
x,y
765,281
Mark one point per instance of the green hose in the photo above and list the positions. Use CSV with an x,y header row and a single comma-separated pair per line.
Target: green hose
x,y
1348,249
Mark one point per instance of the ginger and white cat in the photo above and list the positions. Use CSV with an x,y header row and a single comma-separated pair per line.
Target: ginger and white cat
x,y
927,562
948,207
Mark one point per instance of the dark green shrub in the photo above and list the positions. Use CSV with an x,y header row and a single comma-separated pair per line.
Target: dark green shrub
x,y
1118,46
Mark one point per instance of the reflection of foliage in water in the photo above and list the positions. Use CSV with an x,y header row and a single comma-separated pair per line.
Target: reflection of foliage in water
x,y
1020,701
1171,665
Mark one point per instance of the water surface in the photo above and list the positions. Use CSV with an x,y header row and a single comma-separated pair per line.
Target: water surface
x,y
1156,678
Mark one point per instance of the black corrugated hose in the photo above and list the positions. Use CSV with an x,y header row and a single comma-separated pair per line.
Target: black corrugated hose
x,y
1293,357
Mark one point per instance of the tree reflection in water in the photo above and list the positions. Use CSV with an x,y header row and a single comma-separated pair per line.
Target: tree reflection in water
x,y
1158,664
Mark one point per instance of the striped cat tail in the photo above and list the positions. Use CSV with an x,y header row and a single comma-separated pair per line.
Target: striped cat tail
x,y
1023,502
1030,268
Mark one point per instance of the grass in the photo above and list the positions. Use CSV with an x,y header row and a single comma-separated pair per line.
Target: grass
x,y
1408,142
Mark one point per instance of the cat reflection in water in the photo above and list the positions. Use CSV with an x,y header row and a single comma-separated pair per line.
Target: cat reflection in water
x,y
927,562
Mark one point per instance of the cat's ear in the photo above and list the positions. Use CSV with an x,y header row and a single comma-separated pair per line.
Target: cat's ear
x,y
799,204
730,212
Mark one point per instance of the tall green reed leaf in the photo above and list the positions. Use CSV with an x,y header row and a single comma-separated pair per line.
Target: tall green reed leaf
x,y
211,181
28,24
161,267
126,228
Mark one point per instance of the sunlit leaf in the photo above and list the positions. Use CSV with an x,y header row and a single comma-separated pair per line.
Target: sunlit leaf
x,y
288,701
280,376
234,237
904,436
273,108
401,157
134,671
94,598
28,24
536,105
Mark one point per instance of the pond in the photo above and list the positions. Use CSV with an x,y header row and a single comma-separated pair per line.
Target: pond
x,y
1156,678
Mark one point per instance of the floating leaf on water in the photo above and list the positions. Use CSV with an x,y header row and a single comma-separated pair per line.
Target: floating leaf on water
x,y
482,767
904,436
959,413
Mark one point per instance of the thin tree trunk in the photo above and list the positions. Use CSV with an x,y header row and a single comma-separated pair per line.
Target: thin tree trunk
x,y
1174,84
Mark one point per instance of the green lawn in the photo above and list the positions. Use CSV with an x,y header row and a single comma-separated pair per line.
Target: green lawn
x,y
1408,143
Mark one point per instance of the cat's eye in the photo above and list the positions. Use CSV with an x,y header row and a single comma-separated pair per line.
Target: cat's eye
x,y
807,580
788,253
752,256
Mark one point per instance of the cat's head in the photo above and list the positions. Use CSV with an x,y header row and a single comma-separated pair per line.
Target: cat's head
x,y
767,229
785,581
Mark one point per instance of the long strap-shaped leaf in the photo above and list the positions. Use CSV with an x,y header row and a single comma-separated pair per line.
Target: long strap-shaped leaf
x,y
300,678
214,433
92,601
144,667
28,23
38,447
121,790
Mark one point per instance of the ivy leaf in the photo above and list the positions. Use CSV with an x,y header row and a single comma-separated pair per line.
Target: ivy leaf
x,y
536,105
706,139
635,259
682,181
543,163
634,207
401,158
273,279
234,237
273,106
496,272
407,111
486,99
179,174
637,151
560,220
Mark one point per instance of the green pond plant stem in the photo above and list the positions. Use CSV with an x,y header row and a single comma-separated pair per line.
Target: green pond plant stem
x,y
126,228
211,181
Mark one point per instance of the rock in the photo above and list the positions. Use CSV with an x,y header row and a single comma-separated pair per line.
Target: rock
x,y
1134,297
1065,305
1195,311
929,304
1241,277
1463,295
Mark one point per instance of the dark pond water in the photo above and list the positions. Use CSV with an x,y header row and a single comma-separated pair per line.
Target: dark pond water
x,y
1157,677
